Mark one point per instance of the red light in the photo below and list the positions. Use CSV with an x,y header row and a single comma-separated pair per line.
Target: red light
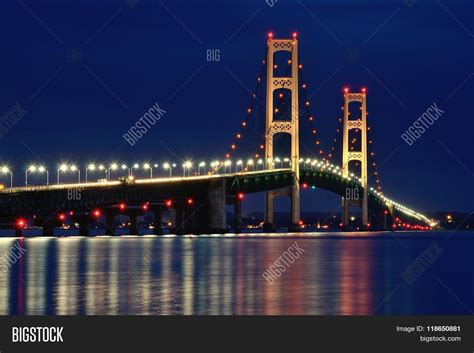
x,y
145,207
20,223
96,213
62,217
385,212
169,203
270,34
368,225
346,89
295,34
340,224
190,201
122,206
71,213
301,223
240,195
364,89
305,186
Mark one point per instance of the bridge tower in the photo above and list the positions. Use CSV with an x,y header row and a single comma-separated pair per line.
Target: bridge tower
x,y
273,126
352,155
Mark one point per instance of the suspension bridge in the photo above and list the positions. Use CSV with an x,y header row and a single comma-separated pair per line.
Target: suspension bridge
x,y
198,198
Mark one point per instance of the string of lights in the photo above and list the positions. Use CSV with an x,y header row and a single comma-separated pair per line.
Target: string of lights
x,y
250,109
310,118
372,160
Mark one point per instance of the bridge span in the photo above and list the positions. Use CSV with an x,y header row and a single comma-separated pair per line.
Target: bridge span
x,y
197,202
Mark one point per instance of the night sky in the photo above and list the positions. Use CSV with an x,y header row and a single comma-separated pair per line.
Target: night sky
x,y
86,71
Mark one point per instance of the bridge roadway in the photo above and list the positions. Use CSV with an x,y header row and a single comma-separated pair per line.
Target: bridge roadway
x,y
198,201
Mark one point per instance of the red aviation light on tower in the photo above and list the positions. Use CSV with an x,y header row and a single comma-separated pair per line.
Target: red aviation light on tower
x,y
346,89
295,34
270,35
364,90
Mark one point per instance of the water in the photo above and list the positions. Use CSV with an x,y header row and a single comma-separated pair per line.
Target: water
x,y
351,273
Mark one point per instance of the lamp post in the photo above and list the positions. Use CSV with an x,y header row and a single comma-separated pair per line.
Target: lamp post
x,y
260,163
187,165
90,167
63,168
112,167
124,167
237,164
203,166
6,170
42,169
135,166
147,166
250,163
31,169
73,168
227,163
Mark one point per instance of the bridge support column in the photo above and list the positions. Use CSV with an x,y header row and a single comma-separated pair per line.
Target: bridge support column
x,y
237,215
83,221
133,229
157,219
180,218
216,215
110,222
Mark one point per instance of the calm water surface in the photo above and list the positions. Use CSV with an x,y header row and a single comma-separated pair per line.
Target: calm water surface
x,y
351,273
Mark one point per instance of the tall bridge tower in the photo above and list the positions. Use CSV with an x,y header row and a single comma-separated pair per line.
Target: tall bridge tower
x,y
273,126
360,155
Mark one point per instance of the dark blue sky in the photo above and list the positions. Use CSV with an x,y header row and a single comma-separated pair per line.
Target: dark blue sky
x,y
136,53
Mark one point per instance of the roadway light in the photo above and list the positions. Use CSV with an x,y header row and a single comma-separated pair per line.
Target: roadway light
x,y
227,163
31,168
6,170
90,167
147,166
167,165
187,165
135,166
203,166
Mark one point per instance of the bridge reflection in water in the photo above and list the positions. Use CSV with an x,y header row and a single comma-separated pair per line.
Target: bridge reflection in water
x,y
347,275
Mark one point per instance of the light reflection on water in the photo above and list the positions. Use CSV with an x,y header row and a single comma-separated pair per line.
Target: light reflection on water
x,y
352,273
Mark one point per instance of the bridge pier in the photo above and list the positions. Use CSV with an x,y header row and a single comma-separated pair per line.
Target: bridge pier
x,y
157,219
180,221
215,208
237,215
133,228
83,220
110,222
